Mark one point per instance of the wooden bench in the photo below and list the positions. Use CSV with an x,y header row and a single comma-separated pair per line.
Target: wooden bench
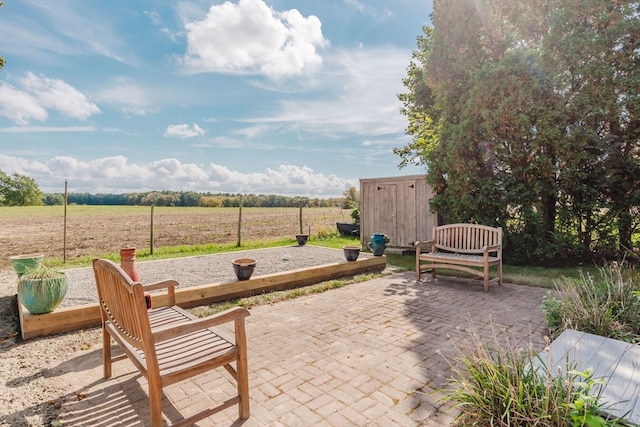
x,y
471,248
168,344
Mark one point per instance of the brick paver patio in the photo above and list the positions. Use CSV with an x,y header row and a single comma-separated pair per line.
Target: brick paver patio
x,y
368,354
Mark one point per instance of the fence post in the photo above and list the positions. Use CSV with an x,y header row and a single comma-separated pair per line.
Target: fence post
x,y
64,237
239,243
151,233
300,218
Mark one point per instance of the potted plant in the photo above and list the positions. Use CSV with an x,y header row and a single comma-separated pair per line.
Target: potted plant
x,y
243,267
22,263
42,289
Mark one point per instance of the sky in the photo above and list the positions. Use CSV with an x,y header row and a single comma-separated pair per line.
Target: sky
x,y
288,97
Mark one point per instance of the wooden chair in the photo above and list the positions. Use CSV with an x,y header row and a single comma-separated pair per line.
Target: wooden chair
x,y
168,344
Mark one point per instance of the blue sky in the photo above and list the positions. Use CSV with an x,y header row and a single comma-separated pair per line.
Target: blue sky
x,y
253,96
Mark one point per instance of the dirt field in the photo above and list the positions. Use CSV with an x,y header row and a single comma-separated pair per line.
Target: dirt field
x,y
95,230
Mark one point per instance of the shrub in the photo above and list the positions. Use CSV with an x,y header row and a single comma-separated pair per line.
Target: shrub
x,y
508,386
609,307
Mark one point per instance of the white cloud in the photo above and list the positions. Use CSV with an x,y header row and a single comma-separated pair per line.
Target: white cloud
x,y
37,95
128,96
117,175
250,37
59,95
19,106
183,131
360,90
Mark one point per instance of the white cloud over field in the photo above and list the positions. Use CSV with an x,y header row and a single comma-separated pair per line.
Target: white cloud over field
x,y
117,175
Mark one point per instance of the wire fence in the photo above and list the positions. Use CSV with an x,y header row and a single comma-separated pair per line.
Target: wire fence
x,y
95,230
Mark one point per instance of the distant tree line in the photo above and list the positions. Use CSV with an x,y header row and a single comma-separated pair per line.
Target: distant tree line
x,y
21,190
526,114
192,198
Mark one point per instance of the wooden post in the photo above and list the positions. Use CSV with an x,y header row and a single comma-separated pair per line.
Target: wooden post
x,y
151,232
300,218
239,243
64,237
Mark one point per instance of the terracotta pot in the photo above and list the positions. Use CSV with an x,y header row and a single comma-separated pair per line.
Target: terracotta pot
x,y
128,263
243,267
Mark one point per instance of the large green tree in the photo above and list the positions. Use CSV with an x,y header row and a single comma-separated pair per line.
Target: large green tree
x,y
525,115
19,190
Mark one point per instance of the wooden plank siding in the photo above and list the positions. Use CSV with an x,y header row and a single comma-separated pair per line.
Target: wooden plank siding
x,y
397,207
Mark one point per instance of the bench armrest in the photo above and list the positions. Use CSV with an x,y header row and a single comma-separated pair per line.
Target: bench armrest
x,y
417,244
236,314
493,248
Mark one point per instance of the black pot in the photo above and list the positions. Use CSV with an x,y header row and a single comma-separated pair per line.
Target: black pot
x,y
351,253
243,267
302,239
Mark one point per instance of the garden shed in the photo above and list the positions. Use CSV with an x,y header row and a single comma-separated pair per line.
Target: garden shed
x,y
397,207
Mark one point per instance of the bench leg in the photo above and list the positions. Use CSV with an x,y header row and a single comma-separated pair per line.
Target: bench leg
x,y
486,278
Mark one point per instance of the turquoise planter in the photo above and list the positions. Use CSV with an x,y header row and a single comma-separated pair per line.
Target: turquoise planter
x,y
23,263
41,296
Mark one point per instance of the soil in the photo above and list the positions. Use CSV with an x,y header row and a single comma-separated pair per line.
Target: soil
x,y
95,230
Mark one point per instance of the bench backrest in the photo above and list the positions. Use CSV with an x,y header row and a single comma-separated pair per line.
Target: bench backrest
x,y
466,238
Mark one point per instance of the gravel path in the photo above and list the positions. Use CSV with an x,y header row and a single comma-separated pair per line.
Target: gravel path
x,y
206,269
29,388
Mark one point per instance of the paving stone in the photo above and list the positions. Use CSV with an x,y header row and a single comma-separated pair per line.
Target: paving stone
x,y
370,354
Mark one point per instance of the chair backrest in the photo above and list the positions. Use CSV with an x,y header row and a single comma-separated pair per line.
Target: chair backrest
x,y
122,303
466,238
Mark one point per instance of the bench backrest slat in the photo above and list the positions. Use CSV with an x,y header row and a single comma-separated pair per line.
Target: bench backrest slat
x,y
466,238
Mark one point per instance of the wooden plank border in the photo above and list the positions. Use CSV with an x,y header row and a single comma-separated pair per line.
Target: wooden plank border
x,y
85,316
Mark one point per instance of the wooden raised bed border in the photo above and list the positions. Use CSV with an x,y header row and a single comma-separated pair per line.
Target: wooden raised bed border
x,y
85,316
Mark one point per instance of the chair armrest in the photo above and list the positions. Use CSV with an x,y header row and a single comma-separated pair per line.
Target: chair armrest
x,y
170,285
236,314
160,285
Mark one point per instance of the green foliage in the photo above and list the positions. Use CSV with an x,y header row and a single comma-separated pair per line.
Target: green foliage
x,y
503,385
19,190
609,307
527,115
355,215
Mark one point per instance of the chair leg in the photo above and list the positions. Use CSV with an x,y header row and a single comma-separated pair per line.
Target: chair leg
x,y
155,402
106,353
243,384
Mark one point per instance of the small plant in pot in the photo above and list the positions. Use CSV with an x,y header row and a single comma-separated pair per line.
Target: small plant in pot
x,y
42,289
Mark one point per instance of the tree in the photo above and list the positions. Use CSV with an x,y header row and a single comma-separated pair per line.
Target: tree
x,y
19,190
527,115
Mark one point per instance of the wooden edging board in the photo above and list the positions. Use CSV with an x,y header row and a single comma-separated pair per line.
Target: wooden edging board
x,y
85,316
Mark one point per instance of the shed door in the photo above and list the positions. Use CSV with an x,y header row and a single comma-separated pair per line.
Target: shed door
x,y
406,213
384,218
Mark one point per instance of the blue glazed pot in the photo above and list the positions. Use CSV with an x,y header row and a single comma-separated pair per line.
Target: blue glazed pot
x,y
41,296
378,243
